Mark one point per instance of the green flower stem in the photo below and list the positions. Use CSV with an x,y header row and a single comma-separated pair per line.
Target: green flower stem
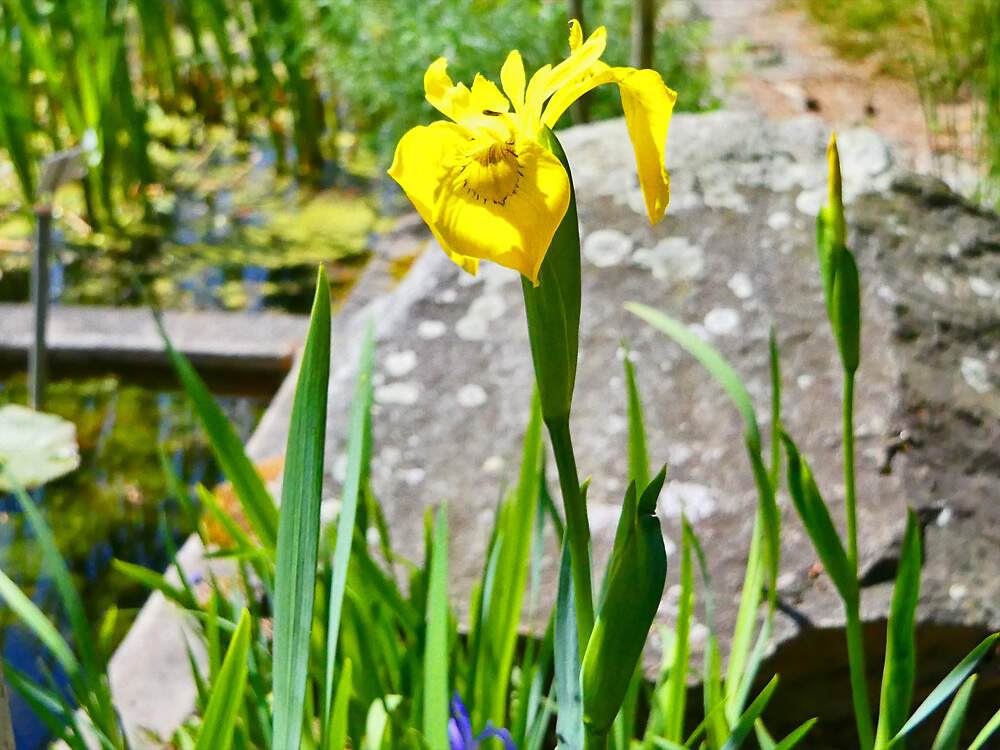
x,y
577,527
849,482
859,682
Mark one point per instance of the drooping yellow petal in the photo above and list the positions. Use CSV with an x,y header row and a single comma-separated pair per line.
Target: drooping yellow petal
x,y
508,211
648,105
484,198
512,79
415,167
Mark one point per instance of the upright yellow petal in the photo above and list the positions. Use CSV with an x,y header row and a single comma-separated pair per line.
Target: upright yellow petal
x,y
447,98
534,99
415,167
575,35
512,79
486,97
580,59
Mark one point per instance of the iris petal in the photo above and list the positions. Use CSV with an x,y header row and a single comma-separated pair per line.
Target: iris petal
x,y
648,105
512,79
415,166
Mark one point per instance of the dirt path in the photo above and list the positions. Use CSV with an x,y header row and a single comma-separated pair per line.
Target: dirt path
x,y
777,63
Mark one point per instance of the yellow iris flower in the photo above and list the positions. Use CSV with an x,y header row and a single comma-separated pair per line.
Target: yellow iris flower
x,y
484,182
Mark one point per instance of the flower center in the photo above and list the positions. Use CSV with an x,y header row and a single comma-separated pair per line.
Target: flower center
x,y
491,172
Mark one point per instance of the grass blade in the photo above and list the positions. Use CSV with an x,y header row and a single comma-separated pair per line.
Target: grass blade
x,y
677,681
227,692
436,650
949,684
298,533
951,726
228,450
337,731
742,727
796,735
358,442
43,629
986,732
569,719
505,588
719,368
900,649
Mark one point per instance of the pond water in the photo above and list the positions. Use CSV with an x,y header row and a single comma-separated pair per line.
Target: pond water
x,y
117,504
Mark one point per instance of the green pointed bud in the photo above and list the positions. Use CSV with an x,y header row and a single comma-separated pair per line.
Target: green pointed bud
x,y
837,267
636,575
553,307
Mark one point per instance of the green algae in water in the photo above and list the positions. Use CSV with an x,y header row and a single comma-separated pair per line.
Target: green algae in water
x,y
117,504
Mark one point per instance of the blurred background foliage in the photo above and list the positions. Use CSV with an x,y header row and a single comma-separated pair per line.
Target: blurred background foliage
x,y
949,48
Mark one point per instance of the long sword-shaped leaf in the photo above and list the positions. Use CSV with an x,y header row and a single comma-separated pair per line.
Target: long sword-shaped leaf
x,y
358,441
228,450
33,618
298,532
227,692
436,650
569,719
745,723
900,648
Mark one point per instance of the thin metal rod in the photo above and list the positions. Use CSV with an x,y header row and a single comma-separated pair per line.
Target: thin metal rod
x,y
37,358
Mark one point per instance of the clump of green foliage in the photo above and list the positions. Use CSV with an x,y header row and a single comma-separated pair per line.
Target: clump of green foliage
x,y
374,48
950,49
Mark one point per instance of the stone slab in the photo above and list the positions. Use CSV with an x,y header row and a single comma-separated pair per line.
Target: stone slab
x,y
253,342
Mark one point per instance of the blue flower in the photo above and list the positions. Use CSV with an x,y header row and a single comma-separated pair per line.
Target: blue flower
x,y
460,730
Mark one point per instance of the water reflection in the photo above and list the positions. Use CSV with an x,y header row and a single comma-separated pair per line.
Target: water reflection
x,y
116,505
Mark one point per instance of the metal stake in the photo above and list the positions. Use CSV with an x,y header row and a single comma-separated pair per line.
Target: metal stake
x,y
37,359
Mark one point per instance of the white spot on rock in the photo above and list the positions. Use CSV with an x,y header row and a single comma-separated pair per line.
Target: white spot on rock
x,y
779,220
804,381
447,296
474,326
672,259
722,321
470,396
431,329
413,476
398,394
399,364
957,591
976,374
493,465
696,501
810,202
981,287
740,285
607,247
934,282
944,517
